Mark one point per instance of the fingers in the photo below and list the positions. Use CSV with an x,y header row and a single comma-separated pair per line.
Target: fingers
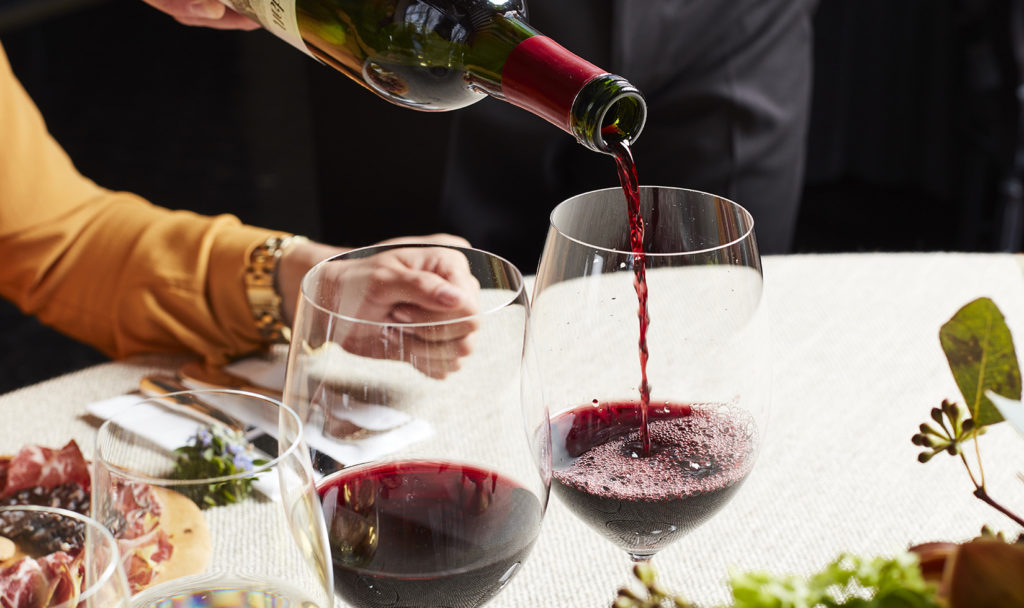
x,y
417,318
413,304
230,21
438,279
448,264
205,13
432,293
433,357
439,238
208,9
434,310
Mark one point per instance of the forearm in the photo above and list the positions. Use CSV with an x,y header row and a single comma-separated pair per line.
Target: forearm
x,y
128,277
109,268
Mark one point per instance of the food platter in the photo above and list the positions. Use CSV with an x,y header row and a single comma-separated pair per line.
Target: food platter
x,y
163,535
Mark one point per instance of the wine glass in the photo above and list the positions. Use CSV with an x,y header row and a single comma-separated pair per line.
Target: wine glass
x,y
445,479
56,558
210,495
645,474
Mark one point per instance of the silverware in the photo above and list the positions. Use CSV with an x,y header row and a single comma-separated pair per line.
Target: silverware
x,y
164,388
202,375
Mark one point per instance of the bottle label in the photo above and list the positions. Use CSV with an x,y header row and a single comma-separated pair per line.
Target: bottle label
x,y
276,16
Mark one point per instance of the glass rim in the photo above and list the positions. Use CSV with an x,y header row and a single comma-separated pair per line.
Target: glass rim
x,y
747,233
167,482
108,571
514,294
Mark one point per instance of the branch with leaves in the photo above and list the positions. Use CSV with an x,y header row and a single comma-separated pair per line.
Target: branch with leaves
x,y
980,351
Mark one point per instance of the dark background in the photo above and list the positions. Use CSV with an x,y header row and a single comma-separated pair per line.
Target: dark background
x,y
912,145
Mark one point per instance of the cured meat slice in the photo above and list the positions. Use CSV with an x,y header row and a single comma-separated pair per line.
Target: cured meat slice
x,y
146,523
37,583
35,465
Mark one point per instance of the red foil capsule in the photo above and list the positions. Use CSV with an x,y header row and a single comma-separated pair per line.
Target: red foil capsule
x,y
544,77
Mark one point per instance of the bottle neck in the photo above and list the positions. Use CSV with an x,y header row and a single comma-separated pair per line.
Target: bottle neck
x,y
543,77
608,109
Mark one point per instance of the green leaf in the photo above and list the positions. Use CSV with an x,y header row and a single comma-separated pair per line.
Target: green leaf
x,y
847,582
216,452
979,348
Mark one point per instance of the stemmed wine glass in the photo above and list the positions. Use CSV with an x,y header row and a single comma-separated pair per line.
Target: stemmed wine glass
x,y
210,495
56,558
642,473
445,479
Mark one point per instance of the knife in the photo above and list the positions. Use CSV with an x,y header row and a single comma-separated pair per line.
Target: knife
x,y
164,388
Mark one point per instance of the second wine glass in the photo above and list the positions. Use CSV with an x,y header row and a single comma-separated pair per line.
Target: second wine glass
x,y
210,495
445,479
642,473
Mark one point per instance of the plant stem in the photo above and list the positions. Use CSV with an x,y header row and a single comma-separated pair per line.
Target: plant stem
x,y
982,495
977,457
970,473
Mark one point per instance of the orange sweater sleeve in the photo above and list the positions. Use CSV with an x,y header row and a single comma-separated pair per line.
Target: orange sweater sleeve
x,y
109,268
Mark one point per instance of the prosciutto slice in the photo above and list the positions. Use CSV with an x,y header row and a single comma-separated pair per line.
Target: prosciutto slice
x,y
35,465
37,583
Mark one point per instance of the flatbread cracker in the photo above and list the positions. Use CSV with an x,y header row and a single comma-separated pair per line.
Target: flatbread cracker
x,y
188,534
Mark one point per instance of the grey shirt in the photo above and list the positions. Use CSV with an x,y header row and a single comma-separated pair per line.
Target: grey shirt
x,y
728,86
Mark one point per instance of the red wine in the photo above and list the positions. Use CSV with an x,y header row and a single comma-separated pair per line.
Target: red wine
x,y
426,533
699,456
631,189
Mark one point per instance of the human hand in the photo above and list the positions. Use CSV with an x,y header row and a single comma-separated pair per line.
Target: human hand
x,y
407,286
301,257
205,13
439,238
428,297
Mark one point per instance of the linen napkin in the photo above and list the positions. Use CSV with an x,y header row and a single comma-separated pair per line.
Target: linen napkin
x,y
170,430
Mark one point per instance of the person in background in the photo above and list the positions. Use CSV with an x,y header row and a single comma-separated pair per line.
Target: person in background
x,y
728,87
126,276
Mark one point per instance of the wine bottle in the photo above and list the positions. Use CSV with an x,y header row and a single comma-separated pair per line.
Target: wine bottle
x,y
437,55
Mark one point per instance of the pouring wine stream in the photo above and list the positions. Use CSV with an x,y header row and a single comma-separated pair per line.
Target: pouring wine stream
x,y
626,167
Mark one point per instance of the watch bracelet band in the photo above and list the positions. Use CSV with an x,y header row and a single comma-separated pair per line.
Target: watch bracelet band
x,y
261,287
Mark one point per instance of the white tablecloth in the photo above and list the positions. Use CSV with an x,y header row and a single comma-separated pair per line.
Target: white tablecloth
x,y
857,366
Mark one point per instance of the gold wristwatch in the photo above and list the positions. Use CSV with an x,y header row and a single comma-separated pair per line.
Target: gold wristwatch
x,y
261,287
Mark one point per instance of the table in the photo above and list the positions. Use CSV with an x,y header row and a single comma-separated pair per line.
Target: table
x,y
857,367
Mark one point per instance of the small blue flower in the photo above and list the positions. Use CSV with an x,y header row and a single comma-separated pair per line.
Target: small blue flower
x,y
243,461
203,438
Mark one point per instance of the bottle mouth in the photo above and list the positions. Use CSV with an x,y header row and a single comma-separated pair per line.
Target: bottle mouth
x,y
608,110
